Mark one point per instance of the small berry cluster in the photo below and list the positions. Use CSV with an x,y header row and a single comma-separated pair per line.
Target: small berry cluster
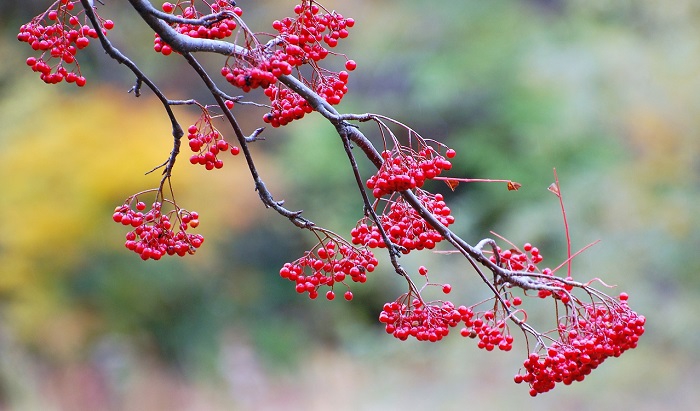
x,y
404,226
333,87
310,27
424,322
604,330
298,43
302,42
153,236
207,143
217,30
491,330
527,260
287,106
327,264
404,169
516,260
264,74
59,35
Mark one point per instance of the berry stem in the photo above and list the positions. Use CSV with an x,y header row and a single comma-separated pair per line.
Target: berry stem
x,y
556,189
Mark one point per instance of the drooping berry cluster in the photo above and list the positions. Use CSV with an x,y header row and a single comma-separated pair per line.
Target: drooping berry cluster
x,y
287,106
517,260
264,74
404,169
404,226
207,143
330,262
310,26
302,40
153,236
489,328
59,35
601,331
527,260
217,29
422,321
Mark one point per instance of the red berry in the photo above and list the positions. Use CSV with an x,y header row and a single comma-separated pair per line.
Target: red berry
x,y
348,295
350,65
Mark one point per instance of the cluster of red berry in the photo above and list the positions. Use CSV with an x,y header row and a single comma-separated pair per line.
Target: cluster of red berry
x,y
603,330
216,30
263,75
404,169
310,27
404,226
303,38
287,106
527,260
327,264
424,322
333,87
517,260
58,34
206,142
490,329
153,236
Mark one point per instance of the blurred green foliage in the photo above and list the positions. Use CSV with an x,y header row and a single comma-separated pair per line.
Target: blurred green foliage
x,y
606,92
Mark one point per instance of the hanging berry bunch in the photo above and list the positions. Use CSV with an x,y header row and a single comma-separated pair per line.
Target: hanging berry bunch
x,y
403,225
220,23
302,40
405,169
207,142
424,322
331,262
59,34
157,232
588,335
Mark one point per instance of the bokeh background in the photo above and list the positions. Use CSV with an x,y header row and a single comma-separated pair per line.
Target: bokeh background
x,y
606,92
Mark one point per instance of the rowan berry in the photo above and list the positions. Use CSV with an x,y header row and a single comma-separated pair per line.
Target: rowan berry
x,y
329,262
59,36
152,236
404,169
588,337
404,226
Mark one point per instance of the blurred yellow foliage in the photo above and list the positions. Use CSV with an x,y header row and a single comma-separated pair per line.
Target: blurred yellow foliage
x,y
66,160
